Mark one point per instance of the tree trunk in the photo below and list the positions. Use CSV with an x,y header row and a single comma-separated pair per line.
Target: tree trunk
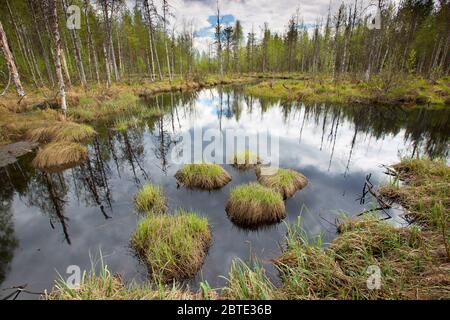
x,y
41,44
153,50
76,50
165,6
107,64
59,73
11,62
91,43
66,68
22,45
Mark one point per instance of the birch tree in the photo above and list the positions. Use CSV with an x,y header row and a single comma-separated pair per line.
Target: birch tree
x,y
10,61
57,41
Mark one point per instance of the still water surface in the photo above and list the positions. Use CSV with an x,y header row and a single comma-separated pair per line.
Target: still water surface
x,y
51,221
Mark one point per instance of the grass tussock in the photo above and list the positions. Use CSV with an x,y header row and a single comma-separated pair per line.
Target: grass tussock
x,y
104,285
245,160
150,199
254,205
172,246
285,181
59,156
203,176
64,131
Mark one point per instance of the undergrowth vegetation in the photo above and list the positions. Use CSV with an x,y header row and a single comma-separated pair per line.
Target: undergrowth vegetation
x,y
414,91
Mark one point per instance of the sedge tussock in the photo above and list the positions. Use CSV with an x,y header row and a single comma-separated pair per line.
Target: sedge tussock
x,y
60,155
203,176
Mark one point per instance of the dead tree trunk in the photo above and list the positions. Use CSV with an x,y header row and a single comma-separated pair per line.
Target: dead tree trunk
x,y
11,62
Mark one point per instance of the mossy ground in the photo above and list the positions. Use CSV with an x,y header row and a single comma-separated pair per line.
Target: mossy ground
x,y
253,205
150,199
412,91
203,176
172,246
98,103
285,181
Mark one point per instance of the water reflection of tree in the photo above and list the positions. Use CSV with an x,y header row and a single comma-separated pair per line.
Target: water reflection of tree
x,y
94,175
131,146
47,191
163,142
428,130
8,241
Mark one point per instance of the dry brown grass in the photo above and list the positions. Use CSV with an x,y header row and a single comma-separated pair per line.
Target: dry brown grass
x,y
413,264
285,181
253,205
58,156
64,131
203,176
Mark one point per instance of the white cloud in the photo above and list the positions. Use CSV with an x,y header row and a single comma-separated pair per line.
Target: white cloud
x,y
254,13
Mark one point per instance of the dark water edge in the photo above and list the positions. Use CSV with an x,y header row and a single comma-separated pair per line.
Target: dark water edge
x,y
51,221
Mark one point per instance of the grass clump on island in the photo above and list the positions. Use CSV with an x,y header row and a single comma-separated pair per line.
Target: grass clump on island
x,y
58,156
245,160
172,246
150,199
285,181
253,205
203,176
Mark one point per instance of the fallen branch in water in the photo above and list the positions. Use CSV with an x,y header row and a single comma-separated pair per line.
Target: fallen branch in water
x,y
368,189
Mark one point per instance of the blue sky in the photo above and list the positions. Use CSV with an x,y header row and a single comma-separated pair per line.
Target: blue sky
x,y
226,19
